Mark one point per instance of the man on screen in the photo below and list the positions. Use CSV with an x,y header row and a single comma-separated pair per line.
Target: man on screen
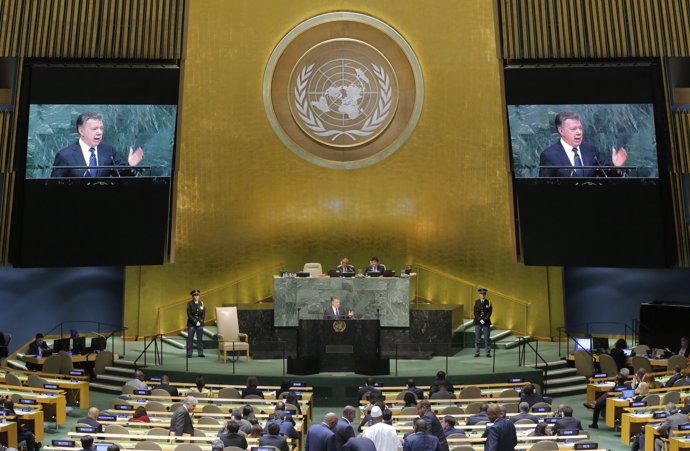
x,y
335,313
571,152
90,151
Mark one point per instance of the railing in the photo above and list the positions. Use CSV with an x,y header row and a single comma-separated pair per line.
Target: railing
x,y
157,353
629,331
443,288
522,359
253,287
114,328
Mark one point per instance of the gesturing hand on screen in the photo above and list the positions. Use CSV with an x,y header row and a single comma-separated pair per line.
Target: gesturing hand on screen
x,y
619,157
135,156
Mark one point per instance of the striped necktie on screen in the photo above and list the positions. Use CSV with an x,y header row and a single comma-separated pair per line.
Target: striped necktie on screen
x,y
578,162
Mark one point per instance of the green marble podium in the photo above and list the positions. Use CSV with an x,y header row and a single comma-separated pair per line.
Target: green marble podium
x,y
383,298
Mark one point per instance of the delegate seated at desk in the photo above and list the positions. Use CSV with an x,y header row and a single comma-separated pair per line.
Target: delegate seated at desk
x,y
335,313
345,267
375,267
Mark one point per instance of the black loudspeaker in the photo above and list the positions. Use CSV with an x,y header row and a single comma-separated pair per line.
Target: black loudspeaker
x,y
302,366
372,367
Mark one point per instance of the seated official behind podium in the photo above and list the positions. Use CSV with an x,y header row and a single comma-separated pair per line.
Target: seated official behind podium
x,y
334,313
90,151
345,267
375,267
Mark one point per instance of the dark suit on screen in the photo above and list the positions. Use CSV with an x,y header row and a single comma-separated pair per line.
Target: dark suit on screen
x,y
181,422
555,155
73,156
328,313
501,436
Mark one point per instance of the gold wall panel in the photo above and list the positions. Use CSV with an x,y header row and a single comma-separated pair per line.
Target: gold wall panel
x,y
594,28
133,29
246,204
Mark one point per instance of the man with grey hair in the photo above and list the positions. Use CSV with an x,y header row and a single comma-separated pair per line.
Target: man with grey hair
x,y
181,420
674,419
523,414
571,152
89,157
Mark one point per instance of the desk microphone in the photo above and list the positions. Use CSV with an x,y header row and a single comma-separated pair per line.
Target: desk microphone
x,y
298,309
596,160
112,161
378,316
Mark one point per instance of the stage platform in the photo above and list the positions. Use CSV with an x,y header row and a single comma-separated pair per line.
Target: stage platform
x,y
331,388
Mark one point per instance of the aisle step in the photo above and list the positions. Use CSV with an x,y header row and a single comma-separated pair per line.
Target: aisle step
x,y
179,344
121,370
500,336
105,387
560,372
551,365
117,379
565,380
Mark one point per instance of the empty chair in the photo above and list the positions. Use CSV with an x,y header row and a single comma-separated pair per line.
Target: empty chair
x,y
452,410
189,447
676,360
159,432
652,400
36,381
152,446
672,396
641,362
52,364
12,379
408,411
227,448
511,407
509,393
473,408
524,421
66,362
174,406
253,397
462,448
545,445
289,406
208,420
16,398
127,389
229,335
211,408
401,395
458,435
471,392
314,269
196,394
199,433
115,429
103,359
608,365
160,392
229,393
584,363
641,349
155,406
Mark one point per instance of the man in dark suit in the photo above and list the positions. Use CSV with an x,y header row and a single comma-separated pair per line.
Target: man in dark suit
x,y
343,428
433,425
273,438
479,417
678,375
359,444
571,151
442,392
232,436
567,422
375,268
684,349
334,312
181,421
524,414
440,379
92,418
501,436
165,385
90,151
420,440
449,426
320,437
345,267
86,443
196,314
482,322
412,387
287,426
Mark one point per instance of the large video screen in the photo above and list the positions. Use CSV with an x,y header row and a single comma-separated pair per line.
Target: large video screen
x,y
53,147
613,140
589,146
94,158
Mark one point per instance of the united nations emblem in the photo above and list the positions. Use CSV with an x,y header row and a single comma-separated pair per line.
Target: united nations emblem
x,y
343,90
345,93
339,326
